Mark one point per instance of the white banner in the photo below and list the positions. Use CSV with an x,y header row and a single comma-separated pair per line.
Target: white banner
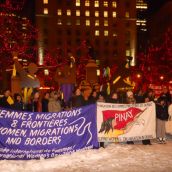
x,y
126,122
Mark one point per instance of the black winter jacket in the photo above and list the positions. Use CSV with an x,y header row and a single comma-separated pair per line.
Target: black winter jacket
x,y
162,112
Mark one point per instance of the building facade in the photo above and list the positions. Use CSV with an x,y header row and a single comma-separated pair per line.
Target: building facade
x,y
109,27
142,31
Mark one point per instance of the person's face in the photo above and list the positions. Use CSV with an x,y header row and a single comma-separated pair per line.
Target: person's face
x,y
101,98
78,92
36,96
94,94
47,96
7,93
150,93
56,96
147,100
114,96
19,98
162,102
140,92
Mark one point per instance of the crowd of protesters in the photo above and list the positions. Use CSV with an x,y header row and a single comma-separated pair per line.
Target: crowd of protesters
x,y
53,102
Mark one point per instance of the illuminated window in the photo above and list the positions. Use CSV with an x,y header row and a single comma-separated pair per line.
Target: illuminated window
x,y
68,12
46,72
114,4
127,14
97,23
77,22
77,3
45,1
105,22
105,3
59,12
96,14
106,33
96,3
77,12
87,22
127,52
87,13
68,22
45,10
105,13
59,22
97,33
87,3
114,14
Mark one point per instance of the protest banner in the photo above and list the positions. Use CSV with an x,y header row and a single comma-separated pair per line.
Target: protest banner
x,y
125,122
33,135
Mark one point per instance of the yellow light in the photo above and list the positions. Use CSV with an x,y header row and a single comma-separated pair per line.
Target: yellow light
x,y
105,13
68,12
127,14
87,22
106,33
46,72
114,4
45,10
41,55
138,76
77,12
59,12
96,3
105,3
105,22
98,72
97,23
45,1
96,14
116,79
97,33
114,14
161,77
87,3
87,13
44,88
77,3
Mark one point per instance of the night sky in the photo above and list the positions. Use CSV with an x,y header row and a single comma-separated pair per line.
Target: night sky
x,y
155,5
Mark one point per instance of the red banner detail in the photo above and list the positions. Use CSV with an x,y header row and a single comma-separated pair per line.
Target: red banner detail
x,y
122,118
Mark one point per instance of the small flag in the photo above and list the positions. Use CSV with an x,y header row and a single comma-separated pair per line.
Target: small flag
x,y
10,100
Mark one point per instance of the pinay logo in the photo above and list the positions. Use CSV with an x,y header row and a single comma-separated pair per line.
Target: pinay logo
x,y
123,117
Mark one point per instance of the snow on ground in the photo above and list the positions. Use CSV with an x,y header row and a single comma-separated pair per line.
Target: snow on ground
x,y
115,157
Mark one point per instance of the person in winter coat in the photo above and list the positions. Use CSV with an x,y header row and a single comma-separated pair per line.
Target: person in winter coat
x,y
77,98
114,98
166,95
162,116
34,104
54,104
4,100
18,103
45,101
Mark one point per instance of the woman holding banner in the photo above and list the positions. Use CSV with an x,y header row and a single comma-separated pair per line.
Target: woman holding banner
x,y
162,116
